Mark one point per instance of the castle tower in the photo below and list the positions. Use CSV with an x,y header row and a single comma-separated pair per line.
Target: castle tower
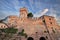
x,y
49,20
23,13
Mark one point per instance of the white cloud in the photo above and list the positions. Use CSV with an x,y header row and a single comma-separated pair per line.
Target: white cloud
x,y
5,14
23,2
34,4
31,2
54,14
44,11
41,12
38,4
15,3
4,4
58,21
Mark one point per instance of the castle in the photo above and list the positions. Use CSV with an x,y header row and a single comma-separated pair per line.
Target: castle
x,y
35,26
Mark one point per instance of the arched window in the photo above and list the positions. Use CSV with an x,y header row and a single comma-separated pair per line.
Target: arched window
x,y
4,26
42,38
1,26
30,38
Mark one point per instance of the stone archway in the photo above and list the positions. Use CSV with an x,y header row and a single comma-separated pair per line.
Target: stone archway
x,y
42,38
30,38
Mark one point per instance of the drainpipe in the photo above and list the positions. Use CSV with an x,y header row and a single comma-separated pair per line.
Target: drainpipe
x,y
47,29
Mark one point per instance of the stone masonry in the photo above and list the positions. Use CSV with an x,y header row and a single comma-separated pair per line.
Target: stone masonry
x,y
44,26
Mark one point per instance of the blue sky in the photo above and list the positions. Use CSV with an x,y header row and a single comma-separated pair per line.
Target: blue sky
x,y
37,7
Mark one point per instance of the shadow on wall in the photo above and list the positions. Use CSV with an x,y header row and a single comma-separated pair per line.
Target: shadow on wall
x,y
41,38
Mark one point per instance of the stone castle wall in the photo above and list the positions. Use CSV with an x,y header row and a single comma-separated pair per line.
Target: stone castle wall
x,y
33,25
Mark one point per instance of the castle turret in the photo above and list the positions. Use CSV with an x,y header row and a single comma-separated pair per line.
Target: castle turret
x,y
23,13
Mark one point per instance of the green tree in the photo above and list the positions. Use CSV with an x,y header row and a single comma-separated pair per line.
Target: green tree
x,y
22,33
10,30
8,33
30,15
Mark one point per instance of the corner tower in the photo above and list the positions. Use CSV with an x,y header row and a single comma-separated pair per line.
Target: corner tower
x,y
23,13
49,20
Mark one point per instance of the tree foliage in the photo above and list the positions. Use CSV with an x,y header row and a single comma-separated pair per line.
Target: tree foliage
x,y
30,14
22,33
9,30
6,34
